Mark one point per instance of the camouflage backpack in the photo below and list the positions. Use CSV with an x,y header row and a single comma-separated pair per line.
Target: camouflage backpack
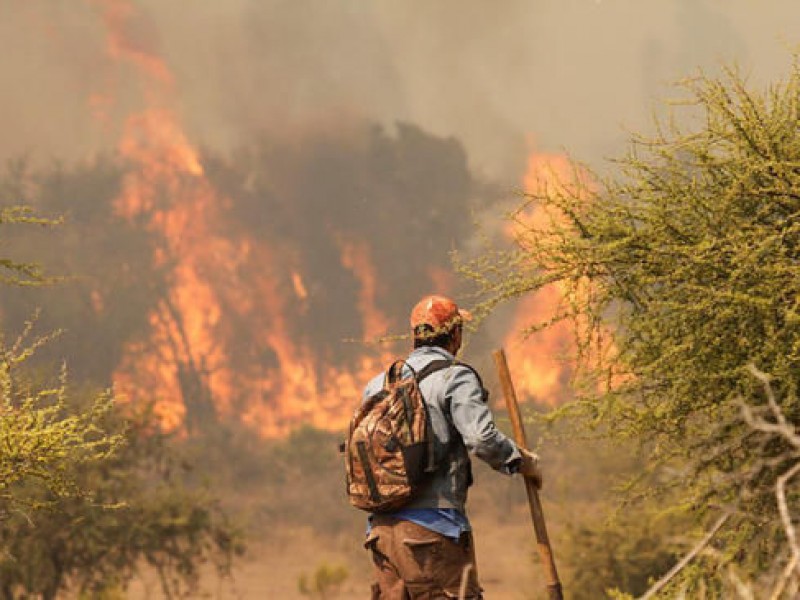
x,y
389,447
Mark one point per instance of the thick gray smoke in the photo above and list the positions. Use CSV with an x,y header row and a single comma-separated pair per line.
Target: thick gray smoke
x,y
572,75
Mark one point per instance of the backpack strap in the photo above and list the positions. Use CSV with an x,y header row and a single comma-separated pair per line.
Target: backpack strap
x,y
395,372
429,369
437,365
432,367
484,391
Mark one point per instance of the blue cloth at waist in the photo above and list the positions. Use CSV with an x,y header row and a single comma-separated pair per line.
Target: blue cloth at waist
x,y
449,522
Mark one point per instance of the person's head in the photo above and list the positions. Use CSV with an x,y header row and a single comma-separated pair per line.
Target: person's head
x,y
437,321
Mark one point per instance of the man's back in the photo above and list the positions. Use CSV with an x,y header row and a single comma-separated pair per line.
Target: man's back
x,y
424,549
461,423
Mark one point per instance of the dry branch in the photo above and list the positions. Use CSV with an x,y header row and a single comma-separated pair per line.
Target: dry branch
x,y
788,571
661,583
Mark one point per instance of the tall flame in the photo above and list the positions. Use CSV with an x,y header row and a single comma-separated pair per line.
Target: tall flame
x,y
222,341
356,258
541,361
545,361
189,363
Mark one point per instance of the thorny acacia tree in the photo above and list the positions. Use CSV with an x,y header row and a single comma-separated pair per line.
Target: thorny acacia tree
x,y
39,438
139,511
688,261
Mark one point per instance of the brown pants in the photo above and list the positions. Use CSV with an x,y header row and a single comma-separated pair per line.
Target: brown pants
x,y
415,563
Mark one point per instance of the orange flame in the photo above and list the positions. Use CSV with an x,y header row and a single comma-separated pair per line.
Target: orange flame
x,y
299,287
540,362
545,362
192,363
189,363
356,258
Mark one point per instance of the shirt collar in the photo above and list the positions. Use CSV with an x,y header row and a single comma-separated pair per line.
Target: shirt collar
x,y
432,350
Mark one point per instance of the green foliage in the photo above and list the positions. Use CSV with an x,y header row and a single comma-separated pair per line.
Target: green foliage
x,y
623,554
689,261
140,512
87,496
324,583
13,272
41,438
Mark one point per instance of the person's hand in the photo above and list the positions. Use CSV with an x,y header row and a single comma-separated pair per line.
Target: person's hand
x,y
530,467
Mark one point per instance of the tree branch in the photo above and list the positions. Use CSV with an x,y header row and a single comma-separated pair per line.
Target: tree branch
x,y
661,583
788,571
786,517
782,427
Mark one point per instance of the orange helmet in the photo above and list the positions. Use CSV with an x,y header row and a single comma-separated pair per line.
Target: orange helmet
x,y
438,312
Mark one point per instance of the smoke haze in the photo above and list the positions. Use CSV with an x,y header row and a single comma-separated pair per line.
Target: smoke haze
x,y
571,74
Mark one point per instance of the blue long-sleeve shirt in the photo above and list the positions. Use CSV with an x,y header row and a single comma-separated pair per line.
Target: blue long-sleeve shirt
x,y
462,424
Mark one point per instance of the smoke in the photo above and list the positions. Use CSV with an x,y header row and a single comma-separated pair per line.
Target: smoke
x,y
574,75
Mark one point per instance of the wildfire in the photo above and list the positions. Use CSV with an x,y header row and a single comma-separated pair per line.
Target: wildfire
x,y
355,257
544,362
541,362
299,287
219,285
223,341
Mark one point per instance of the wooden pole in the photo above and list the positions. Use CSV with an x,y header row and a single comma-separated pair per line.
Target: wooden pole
x,y
535,504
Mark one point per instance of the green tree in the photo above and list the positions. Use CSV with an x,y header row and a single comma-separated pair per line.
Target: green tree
x,y
679,271
137,510
40,437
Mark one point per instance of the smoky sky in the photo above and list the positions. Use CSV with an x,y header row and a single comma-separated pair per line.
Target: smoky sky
x,y
572,75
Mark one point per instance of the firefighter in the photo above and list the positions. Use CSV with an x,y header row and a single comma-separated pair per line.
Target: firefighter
x,y
424,549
